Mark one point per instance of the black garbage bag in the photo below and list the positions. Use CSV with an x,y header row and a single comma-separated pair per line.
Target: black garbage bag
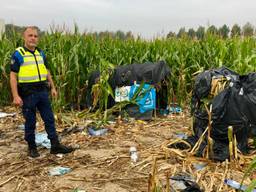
x,y
234,106
203,83
152,73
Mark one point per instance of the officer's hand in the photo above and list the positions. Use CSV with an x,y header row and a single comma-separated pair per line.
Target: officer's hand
x,y
54,92
17,101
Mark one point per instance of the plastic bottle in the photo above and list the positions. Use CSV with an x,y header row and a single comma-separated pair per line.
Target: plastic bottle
x,y
133,154
236,185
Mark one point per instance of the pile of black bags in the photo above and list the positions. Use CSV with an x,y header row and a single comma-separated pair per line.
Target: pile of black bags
x,y
232,105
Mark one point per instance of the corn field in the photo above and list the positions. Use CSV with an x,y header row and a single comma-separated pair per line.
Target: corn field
x,y
73,56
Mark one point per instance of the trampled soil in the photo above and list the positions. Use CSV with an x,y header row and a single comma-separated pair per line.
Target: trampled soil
x,y
102,163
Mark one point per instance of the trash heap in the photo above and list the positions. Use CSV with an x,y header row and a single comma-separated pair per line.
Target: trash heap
x,y
231,100
127,79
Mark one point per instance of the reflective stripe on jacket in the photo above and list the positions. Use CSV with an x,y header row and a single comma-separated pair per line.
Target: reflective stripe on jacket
x,y
32,69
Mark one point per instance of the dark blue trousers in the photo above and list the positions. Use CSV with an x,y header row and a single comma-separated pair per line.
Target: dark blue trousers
x,y
31,103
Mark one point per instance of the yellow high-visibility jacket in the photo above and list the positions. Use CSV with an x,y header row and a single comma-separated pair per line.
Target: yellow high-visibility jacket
x,y
32,69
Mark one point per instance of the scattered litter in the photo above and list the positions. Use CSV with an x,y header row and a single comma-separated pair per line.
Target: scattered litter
x,y
185,182
21,127
122,93
59,155
177,185
59,171
97,132
42,140
141,122
133,154
84,132
183,176
236,185
3,114
74,129
199,166
174,108
76,146
181,136
79,190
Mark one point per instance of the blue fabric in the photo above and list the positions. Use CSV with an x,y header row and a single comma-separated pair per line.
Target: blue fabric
x,y
16,61
148,101
40,101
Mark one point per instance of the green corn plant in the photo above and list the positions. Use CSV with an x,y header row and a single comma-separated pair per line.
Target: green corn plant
x,y
7,47
72,56
102,90
247,173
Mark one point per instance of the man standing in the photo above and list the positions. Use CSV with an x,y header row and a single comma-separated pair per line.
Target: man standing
x,y
30,81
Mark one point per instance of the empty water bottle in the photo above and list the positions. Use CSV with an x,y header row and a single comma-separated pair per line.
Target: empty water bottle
x,y
236,185
133,154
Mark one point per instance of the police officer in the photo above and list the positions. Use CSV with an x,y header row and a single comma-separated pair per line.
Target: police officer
x,y
30,82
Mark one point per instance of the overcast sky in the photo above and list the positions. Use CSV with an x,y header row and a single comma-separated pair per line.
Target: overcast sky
x,y
148,18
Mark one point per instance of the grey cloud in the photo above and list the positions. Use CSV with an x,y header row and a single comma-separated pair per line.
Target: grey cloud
x,y
147,17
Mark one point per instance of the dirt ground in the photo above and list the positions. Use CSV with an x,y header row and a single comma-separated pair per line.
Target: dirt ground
x,y
102,163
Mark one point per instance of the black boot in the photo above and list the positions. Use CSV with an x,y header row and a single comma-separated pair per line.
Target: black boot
x,y
56,147
32,150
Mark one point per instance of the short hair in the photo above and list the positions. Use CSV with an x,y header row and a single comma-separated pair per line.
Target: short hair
x,y
31,27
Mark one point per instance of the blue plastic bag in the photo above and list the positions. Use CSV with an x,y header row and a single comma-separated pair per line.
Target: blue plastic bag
x,y
42,140
59,171
147,99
